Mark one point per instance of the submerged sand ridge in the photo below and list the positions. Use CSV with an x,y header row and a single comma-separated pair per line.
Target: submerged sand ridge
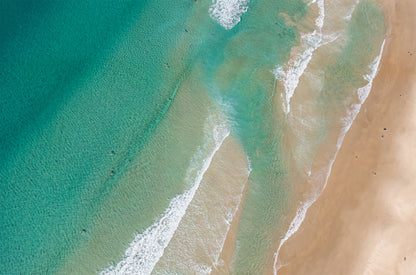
x,y
364,222
206,226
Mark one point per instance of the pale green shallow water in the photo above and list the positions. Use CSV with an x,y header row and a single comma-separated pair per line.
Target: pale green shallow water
x,y
104,104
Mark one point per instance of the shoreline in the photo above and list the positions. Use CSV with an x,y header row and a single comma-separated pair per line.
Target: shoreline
x,y
328,152
350,197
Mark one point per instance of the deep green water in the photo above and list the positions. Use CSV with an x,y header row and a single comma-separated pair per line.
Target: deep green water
x,y
103,106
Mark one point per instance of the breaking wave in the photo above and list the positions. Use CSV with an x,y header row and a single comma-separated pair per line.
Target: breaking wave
x,y
228,12
290,74
148,247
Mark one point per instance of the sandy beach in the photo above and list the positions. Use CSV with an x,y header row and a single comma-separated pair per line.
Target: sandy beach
x,y
365,220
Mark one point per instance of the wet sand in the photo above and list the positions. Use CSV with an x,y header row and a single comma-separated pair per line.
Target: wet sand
x,y
365,220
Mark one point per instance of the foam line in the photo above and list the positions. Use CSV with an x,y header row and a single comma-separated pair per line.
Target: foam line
x,y
291,74
352,113
319,22
231,216
148,247
363,92
293,227
349,15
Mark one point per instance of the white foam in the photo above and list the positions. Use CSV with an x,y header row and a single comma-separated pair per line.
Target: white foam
x,y
293,227
363,92
349,15
148,247
228,12
319,22
292,72
347,121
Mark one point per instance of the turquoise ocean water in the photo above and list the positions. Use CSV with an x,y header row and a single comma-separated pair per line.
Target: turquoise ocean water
x,y
110,110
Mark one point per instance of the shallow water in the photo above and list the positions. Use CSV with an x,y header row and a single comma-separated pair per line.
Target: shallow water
x,y
112,117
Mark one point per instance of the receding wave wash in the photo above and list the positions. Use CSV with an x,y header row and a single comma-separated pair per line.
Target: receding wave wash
x,y
184,137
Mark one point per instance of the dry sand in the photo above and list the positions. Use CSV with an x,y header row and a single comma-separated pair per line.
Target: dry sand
x,y
365,220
